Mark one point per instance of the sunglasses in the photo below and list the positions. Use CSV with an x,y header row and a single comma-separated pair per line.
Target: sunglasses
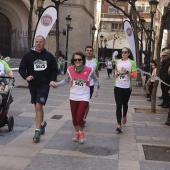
x,y
124,52
77,59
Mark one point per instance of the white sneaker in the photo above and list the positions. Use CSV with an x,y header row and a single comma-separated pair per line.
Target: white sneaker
x,y
76,137
82,137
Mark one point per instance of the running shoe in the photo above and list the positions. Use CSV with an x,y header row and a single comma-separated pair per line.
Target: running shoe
x,y
76,137
124,120
119,128
42,129
37,136
82,137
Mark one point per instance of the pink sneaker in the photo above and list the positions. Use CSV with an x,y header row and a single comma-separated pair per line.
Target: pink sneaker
x,y
76,136
82,137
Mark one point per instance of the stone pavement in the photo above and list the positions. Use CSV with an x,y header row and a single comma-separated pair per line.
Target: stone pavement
x,y
104,148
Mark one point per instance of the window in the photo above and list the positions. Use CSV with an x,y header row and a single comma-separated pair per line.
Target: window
x,y
144,9
117,26
112,10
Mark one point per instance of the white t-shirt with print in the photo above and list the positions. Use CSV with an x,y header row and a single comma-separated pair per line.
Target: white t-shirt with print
x,y
93,65
123,80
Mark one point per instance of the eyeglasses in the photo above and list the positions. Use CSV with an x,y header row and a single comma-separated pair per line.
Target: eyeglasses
x,y
77,59
124,52
164,55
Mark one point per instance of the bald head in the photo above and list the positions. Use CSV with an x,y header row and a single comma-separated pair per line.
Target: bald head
x,y
39,43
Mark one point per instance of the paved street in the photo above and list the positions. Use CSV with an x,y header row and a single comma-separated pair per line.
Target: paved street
x,y
104,149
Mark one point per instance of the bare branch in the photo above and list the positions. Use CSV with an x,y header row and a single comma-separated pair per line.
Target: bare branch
x,y
63,1
115,6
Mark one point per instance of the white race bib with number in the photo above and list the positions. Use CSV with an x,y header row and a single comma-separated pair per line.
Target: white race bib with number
x,y
122,77
79,83
40,65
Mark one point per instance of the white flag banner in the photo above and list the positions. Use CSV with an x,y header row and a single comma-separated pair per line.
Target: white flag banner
x,y
130,37
46,22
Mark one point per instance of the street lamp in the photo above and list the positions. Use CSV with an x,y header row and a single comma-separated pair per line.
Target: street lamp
x,y
93,32
141,39
101,48
105,44
101,40
153,6
69,28
40,8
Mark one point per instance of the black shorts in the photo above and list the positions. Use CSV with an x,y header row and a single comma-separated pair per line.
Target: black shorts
x,y
91,91
39,94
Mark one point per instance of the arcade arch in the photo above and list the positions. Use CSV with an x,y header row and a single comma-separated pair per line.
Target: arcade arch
x,y
14,28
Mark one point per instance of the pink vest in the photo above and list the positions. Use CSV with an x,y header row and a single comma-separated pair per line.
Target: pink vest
x,y
83,75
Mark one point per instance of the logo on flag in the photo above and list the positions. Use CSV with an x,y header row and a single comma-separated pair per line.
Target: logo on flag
x,y
46,20
129,31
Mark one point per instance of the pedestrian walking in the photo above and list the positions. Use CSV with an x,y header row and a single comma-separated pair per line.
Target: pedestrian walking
x,y
164,77
109,65
152,79
78,74
148,83
125,70
39,68
93,64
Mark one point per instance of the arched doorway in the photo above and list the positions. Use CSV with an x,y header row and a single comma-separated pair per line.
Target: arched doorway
x,y
5,35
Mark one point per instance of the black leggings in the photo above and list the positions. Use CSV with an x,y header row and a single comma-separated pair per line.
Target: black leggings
x,y
121,97
109,71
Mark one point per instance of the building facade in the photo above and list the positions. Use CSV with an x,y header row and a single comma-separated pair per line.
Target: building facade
x,y
112,26
14,16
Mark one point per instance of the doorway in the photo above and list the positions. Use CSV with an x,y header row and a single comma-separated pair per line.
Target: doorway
x,y
5,35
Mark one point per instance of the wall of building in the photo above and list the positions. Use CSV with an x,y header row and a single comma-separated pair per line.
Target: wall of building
x,y
82,13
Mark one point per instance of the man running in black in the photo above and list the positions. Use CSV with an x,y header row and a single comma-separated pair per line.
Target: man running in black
x,y
39,68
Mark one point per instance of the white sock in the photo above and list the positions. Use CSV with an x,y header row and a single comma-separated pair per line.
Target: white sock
x,y
37,129
42,123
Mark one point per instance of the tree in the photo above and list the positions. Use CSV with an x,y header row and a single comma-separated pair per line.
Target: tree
x,y
57,4
30,24
164,17
132,16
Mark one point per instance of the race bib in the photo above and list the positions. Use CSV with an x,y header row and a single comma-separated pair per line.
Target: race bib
x,y
122,76
79,83
40,65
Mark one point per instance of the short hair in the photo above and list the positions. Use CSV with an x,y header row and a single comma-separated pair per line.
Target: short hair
x,y
80,54
41,37
88,47
164,52
153,61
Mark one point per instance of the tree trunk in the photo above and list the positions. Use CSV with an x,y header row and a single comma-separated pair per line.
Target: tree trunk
x,y
30,24
153,97
139,78
57,3
158,51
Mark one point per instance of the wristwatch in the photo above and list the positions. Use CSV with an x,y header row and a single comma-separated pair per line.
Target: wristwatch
x,y
127,72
